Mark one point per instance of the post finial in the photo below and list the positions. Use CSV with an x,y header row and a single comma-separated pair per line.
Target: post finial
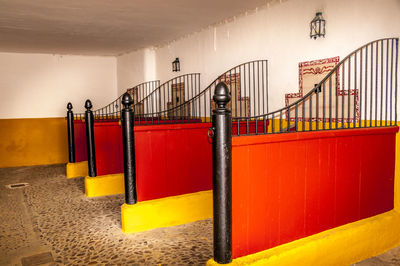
x,y
221,95
88,105
127,100
69,106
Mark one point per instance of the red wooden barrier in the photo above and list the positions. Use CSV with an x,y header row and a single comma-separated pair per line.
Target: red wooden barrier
x,y
108,146
288,186
172,160
80,141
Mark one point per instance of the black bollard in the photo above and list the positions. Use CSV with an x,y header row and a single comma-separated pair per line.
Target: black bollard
x,y
128,139
222,175
90,139
71,136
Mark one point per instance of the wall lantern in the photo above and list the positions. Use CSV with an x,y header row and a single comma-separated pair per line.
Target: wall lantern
x,y
317,26
176,66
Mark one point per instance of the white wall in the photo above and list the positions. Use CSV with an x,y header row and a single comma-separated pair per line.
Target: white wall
x,y
278,33
41,85
135,68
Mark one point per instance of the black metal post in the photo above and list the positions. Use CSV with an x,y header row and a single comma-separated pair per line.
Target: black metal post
x,y
89,119
222,157
71,136
128,139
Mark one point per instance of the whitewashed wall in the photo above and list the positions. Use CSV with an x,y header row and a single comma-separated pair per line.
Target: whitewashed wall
x,y
41,85
279,33
136,68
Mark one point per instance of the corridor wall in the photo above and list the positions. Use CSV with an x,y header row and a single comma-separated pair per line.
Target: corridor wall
x,y
278,32
35,90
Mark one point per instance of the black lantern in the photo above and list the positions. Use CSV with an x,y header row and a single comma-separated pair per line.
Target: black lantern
x,y
317,26
176,65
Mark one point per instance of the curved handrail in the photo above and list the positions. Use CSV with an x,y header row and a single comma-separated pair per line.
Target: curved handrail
x,y
112,110
246,78
371,76
159,98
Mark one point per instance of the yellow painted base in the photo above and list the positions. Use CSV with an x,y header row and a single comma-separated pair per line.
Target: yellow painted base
x,y
339,246
104,185
77,169
165,212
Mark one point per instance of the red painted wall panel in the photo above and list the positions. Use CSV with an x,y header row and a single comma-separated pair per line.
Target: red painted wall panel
x,y
108,147
80,141
172,160
288,186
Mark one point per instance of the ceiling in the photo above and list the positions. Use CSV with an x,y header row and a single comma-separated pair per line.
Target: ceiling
x,y
106,27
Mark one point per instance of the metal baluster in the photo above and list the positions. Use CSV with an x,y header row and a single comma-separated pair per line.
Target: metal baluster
x,y
395,81
371,86
355,91
349,93
316,88
323,106
366,87
380,124
303,115
391,81
343,92
387,80
361,90
296,118
273,123
310,111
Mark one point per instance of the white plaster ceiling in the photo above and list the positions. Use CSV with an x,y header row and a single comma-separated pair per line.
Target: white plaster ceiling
x,y
106,27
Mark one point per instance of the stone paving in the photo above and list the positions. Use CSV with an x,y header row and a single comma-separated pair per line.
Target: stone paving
x,y
53,215
51,222
389,258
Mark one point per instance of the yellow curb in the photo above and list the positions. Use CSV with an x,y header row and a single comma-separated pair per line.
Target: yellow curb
x,y
104,185
167,211
78,169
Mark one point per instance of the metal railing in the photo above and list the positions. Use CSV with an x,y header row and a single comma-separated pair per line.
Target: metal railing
x,y
359,92
112,111
168,96
248,86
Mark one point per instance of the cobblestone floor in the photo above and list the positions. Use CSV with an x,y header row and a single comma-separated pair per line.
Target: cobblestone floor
x,y
52,215
389,258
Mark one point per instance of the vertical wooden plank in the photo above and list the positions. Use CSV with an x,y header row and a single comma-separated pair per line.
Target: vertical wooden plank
x,y
377,190
80,141
240,200
387,159
272,199
312,172
151,162
292,191
328,153
199,159
108,143
368,190
257,192
177,157
347,181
